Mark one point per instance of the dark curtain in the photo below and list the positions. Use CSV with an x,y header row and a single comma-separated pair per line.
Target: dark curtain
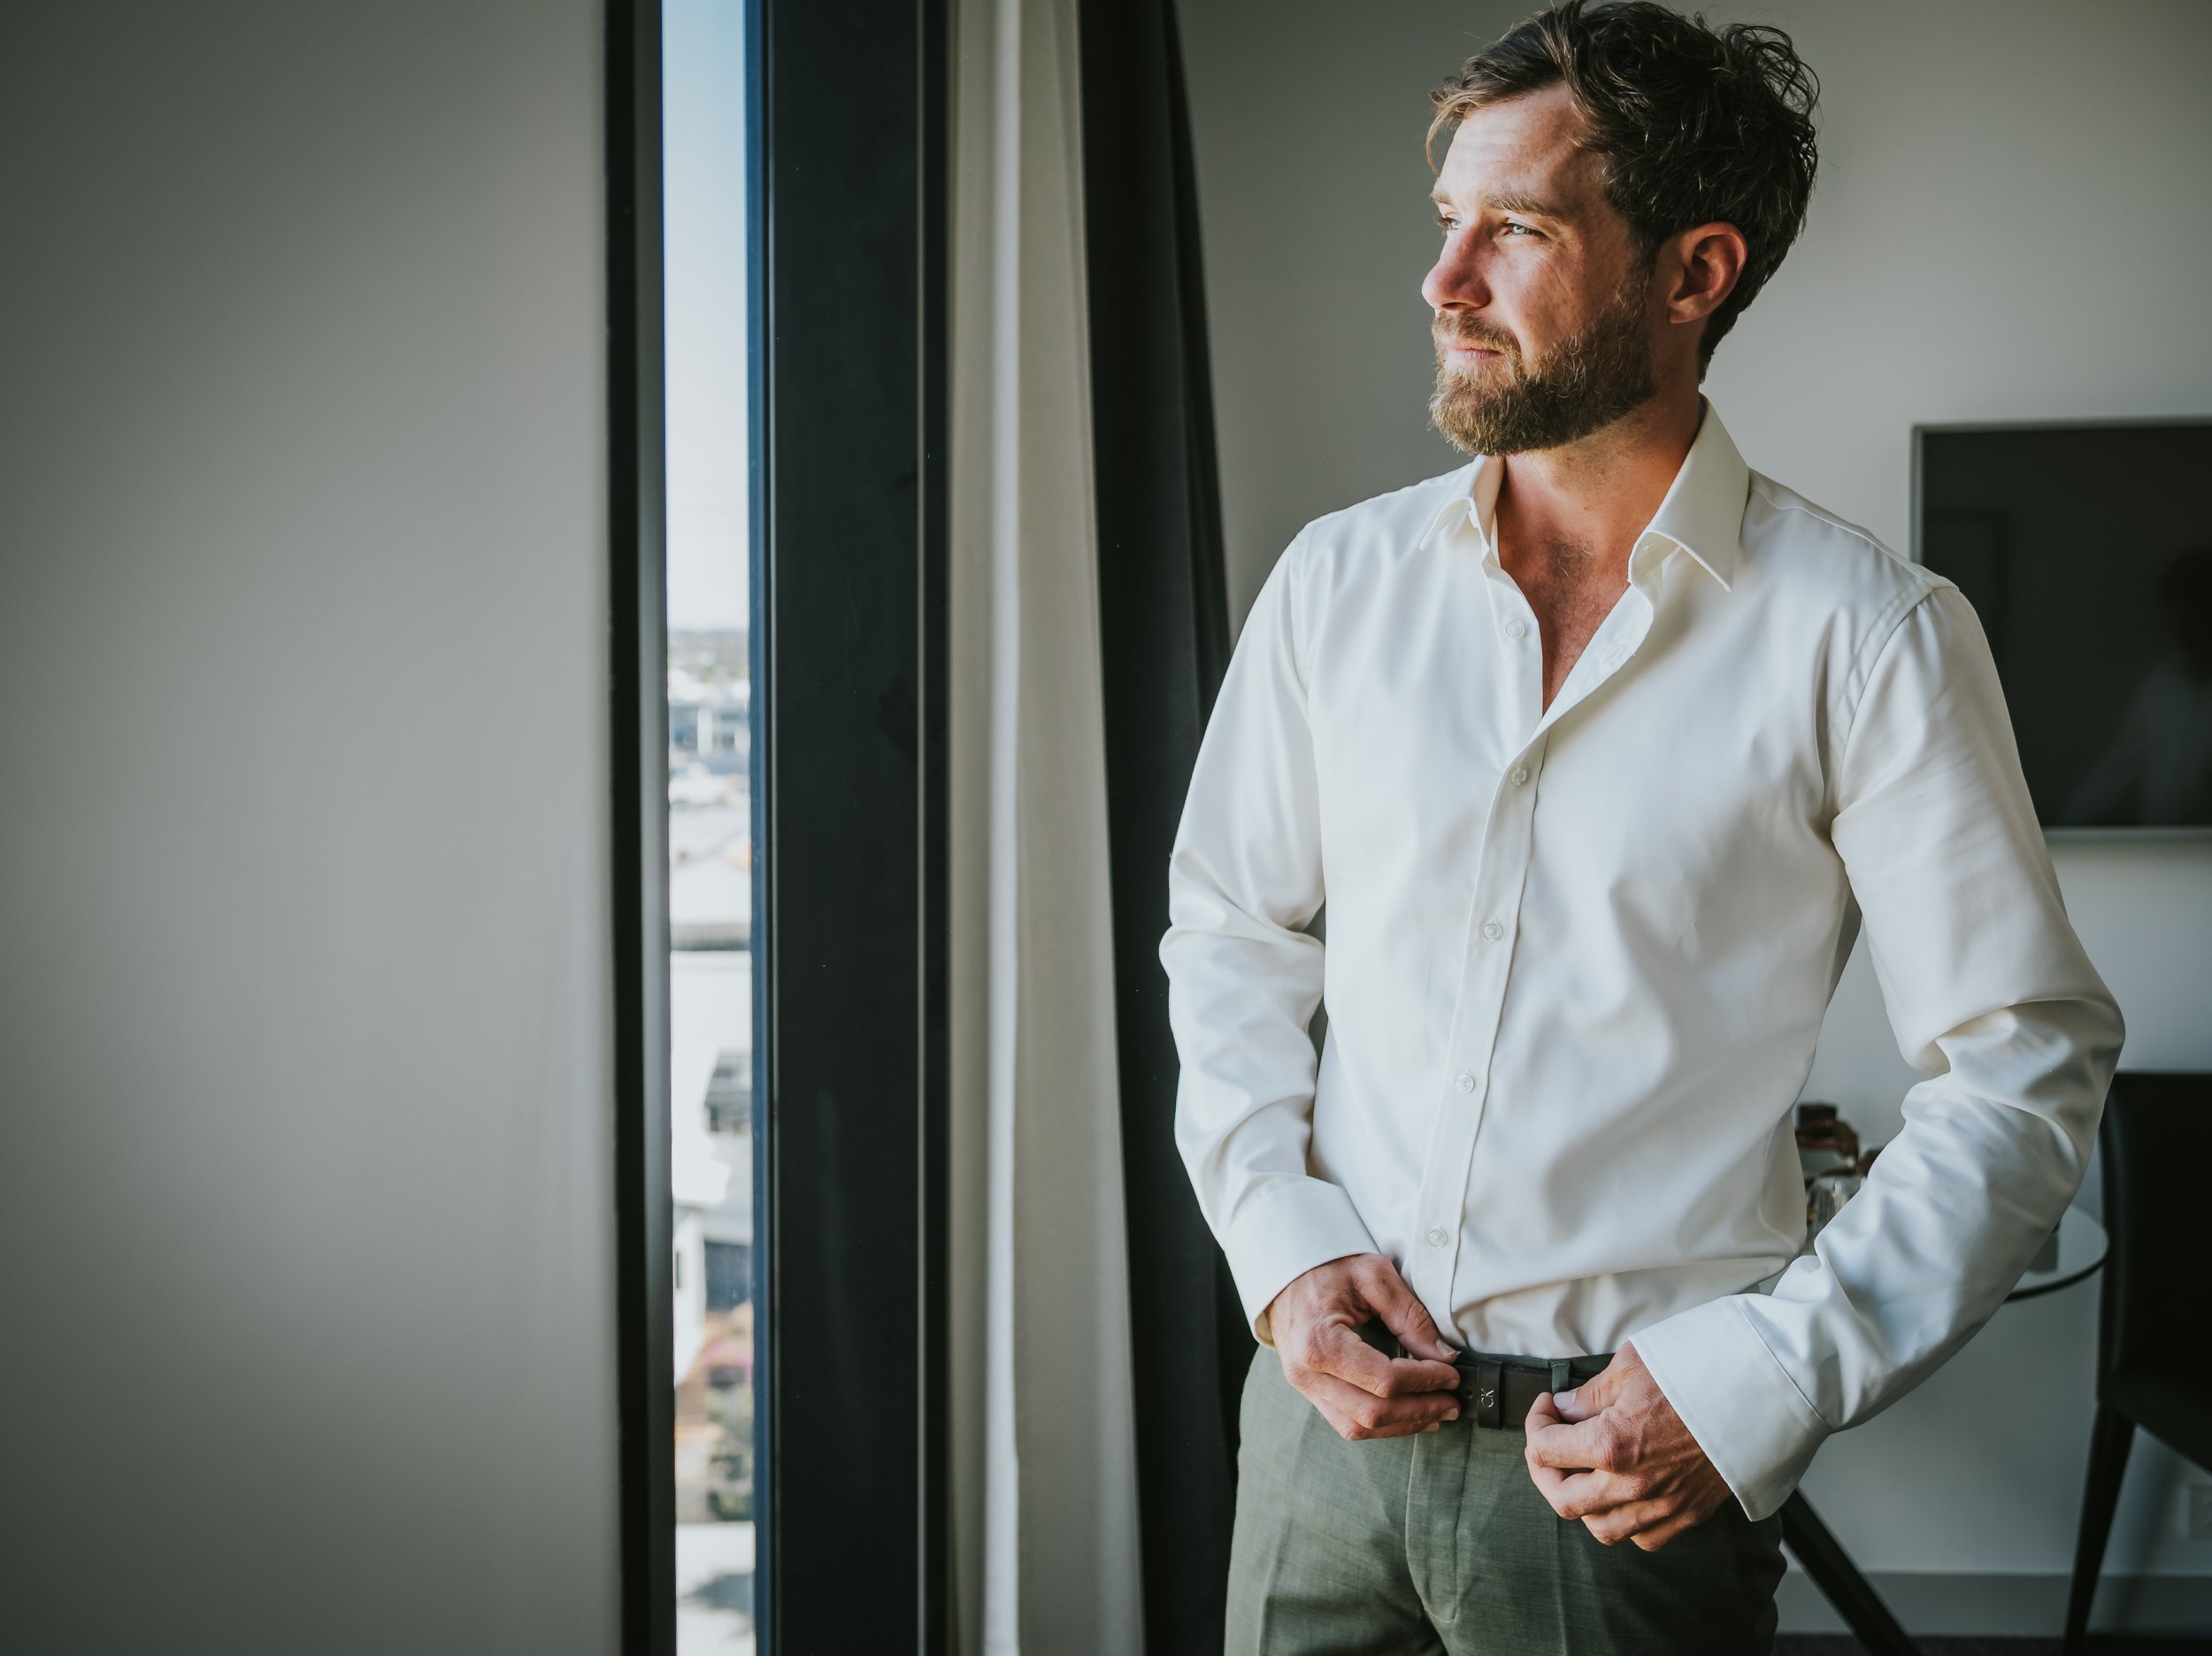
x,y
1164,626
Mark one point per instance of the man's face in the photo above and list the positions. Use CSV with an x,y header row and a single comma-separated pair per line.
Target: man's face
x,y
1543,316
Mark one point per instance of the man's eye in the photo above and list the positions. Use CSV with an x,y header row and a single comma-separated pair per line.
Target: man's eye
x,y
1512,227
1447,223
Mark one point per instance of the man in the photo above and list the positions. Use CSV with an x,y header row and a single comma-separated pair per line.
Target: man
x,y
1600,750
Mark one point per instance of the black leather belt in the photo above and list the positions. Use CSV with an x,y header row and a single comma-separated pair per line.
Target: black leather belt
x,y
1499,1391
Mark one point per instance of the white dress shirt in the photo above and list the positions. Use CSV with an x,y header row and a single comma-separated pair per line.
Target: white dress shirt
x,y
1578,957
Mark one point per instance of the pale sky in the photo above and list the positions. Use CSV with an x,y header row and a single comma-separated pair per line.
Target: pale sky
x,y
704,202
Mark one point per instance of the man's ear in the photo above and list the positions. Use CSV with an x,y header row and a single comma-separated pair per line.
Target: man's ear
x,y
1700,268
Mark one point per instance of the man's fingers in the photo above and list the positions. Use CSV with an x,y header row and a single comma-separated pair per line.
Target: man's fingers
x,y
1581,1494
1630,1521
1599,1392
1652,1540
1402,1312
1568,1462
1337,1350
1550,1482
1358,1414
1579,1403
1572,1445
1340,1425
1587,1463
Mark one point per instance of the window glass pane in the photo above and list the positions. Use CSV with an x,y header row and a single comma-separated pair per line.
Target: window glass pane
x,y
710,818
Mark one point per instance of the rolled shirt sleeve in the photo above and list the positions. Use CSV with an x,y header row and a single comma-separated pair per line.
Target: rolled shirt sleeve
x,y
1991,996
1244,974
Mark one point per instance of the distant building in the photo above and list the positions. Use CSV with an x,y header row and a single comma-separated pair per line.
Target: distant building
x,y
710,1137
710,702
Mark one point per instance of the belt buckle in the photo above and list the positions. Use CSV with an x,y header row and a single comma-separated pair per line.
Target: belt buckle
x,y
1481,1390
1488,1387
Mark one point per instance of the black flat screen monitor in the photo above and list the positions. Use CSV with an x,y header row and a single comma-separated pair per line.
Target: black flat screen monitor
x,y
2087,551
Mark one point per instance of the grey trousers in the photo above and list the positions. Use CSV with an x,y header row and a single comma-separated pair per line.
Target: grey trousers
x,y
1439,1542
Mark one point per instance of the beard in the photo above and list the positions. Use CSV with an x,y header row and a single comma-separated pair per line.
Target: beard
x,y
1583,384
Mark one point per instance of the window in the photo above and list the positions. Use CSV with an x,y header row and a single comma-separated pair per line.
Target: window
x,y
776,490
705,303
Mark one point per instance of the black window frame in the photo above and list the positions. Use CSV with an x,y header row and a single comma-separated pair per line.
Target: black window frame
x,y
847,127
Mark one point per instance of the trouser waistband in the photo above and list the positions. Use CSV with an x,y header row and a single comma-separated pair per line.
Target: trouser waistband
x,y
1497,1390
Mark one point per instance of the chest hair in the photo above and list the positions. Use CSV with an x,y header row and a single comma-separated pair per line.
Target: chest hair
x,y
1571,589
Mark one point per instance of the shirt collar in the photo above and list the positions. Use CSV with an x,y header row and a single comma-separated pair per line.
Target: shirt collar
x,y
1702,512
1459,500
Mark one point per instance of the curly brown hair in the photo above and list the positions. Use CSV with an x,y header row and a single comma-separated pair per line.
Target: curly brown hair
x,y
1694,125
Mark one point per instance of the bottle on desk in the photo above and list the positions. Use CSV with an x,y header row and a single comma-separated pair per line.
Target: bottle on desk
x,y
1824,1140
1828,1155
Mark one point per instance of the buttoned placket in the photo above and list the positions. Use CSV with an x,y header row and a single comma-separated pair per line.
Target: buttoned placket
x,y
1501,874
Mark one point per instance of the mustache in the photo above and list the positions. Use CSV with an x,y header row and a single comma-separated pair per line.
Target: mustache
x,y
1467,331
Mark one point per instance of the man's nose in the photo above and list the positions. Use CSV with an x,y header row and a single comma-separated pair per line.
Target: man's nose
x,y
1455,282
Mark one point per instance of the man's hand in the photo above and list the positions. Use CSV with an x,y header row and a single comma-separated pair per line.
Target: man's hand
x,y
1614,1453
1359,1391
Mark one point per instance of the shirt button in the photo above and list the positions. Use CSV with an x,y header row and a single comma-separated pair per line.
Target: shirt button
x,y
1520,775
1514,629
1437,1236
1465,1082
1492,930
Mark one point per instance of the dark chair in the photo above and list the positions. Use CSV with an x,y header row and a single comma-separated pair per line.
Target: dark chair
x,y
2153,1341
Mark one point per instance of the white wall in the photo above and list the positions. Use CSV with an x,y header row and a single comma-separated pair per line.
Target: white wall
x,y
2011,222
304,1075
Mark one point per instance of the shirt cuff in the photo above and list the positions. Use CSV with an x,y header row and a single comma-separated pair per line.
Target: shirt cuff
x,y
1739,1402
1283,1232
